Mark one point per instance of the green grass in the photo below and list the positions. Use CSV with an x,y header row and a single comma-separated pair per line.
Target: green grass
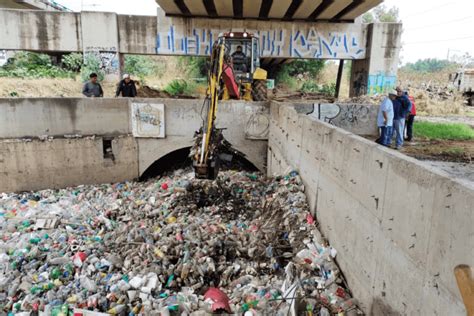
x,y
447,131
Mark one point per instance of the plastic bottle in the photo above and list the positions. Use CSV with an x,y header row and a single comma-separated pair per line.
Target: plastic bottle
x,y
116,309
55,273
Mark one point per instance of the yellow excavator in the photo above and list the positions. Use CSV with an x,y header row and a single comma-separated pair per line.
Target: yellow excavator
x,y
226,79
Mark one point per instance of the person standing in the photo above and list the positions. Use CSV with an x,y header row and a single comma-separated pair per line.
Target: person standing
x,y
401,108
127,87
92,89
410,119
385,119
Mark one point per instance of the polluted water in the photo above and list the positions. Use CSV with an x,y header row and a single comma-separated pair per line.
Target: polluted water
x,y
242,244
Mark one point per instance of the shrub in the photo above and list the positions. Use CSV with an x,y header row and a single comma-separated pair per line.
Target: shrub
x,y
33,65
193,66
73,61
309,68
179,87
139,66
91,64
313,87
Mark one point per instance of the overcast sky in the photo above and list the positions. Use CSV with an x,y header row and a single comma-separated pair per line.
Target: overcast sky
x,y
431,27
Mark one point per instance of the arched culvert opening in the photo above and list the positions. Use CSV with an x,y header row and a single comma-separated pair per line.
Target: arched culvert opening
x,y
230,159
170,162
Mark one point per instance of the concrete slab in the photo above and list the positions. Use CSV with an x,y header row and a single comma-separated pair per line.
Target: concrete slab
x,y
196,8
251,8
224,8
306,8
334,8
169,6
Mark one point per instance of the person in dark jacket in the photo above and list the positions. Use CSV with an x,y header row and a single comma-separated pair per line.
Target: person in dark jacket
x,y
126,87
92,89
401,108
239,59
410,119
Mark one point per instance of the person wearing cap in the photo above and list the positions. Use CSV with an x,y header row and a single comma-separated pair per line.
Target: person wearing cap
x,y
401,108
92,89
385,119
126,87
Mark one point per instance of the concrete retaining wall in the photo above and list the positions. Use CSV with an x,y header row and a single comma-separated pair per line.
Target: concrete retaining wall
x,y
31,165
59,163
399,226
357,118
30,117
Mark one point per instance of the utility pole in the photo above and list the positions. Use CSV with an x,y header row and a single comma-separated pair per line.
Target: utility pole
x,y
452,50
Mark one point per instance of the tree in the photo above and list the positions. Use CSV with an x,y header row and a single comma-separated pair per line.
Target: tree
x,y
383,14
430,65
465,60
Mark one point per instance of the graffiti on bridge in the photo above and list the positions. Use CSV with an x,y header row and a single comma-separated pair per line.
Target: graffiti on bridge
x,y
380,83
310,43
107,56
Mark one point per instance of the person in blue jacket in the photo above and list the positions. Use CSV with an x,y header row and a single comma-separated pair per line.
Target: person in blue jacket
x,y
401,108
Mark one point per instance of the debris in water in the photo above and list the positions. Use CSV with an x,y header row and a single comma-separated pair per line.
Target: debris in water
x,y
172,246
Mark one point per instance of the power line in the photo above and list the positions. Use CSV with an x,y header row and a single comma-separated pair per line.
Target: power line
x,y
441,40
429,10
439,24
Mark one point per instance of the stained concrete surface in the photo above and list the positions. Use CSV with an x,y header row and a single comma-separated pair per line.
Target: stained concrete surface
x,y
462,171
27,165
400,226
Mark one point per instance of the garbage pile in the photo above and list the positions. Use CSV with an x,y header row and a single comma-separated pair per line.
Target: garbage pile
x,y
242,244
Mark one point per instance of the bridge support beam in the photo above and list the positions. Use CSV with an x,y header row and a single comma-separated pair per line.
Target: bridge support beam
x,y
377,73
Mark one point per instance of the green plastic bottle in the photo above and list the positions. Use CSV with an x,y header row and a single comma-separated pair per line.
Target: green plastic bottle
x,y
55,273
35,240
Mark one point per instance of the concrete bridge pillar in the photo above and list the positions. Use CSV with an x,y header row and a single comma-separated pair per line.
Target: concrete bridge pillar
x,y
100,40
377,73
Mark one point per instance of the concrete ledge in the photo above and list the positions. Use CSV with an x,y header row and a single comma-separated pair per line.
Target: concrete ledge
x,y
32,117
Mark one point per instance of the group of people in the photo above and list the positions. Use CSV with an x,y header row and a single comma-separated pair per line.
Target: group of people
x,y
126,87
396,113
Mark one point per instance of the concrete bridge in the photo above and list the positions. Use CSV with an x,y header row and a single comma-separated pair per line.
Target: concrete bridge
x,y
373,48
400,227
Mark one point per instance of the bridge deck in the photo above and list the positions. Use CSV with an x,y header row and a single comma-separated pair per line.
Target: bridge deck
x,y
308,10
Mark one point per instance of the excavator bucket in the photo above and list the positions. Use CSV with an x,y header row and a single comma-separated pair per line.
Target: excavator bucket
x,y
206,171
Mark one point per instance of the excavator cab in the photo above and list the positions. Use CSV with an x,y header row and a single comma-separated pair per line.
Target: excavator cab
x,y
242,52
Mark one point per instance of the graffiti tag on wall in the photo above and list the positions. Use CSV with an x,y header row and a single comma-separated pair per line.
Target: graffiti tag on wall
x,y
258,126
380,83
3,57
372,84
108,57
357,118
311,43
148,120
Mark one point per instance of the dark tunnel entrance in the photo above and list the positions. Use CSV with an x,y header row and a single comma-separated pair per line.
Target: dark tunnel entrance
x,y
179,159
